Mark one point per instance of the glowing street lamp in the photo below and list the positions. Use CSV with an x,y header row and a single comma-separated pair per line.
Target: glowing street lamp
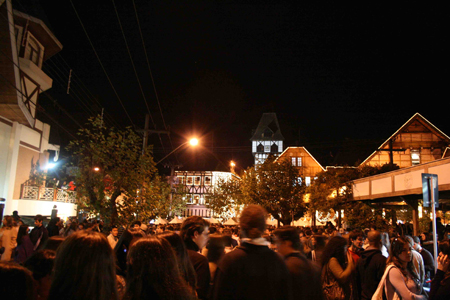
x,y
193,142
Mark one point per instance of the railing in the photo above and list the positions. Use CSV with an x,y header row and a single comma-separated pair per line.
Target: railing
x,y
30,192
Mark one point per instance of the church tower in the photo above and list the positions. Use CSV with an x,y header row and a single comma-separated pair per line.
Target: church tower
x,y
267,138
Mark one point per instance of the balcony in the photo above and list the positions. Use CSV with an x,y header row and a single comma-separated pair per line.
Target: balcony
x,y
30,192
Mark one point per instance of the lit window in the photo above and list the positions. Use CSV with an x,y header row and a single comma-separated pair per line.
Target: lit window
x,y
189,180
415,157
197,180
308,181
299,161
207,180
294,161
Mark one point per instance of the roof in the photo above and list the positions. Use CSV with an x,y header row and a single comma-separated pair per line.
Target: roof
x,y
416,117
301,148
268,129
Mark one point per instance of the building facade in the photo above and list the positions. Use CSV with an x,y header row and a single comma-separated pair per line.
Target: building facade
x,y
418,141
26,42
267,138
198,188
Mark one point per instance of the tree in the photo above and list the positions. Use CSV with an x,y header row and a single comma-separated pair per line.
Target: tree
x,y
226,197
115,179
276,186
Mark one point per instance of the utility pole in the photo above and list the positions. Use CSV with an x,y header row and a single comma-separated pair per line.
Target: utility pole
x,y
147,131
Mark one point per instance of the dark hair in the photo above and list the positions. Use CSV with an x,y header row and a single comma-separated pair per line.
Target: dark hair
x,y
444,247
84,268
16,281
397,245
153,273
253,221
321,242
136,223
289,233
191,225
9,221
41,263
23,231
355,234
184,263
335,248
53,242
39,218
216,248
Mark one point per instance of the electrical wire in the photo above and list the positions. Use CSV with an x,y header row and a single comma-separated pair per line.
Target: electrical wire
x,y
101,64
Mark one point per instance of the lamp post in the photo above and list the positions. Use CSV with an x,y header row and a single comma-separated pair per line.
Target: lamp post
x,y
193,142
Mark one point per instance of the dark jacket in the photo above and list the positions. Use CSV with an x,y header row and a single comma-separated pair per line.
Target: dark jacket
x,y
39,234
252,272
201,267
306,281
369,271
440,289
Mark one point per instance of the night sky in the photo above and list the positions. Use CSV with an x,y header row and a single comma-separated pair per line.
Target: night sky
x,y
336,75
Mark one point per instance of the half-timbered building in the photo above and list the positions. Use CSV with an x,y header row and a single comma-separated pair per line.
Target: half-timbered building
x,y
267,138
418,141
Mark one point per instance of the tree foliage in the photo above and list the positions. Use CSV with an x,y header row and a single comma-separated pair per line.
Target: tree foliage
x,y
126,184
278,187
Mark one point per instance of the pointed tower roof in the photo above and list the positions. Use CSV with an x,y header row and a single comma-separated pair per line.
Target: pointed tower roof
x,y
268,128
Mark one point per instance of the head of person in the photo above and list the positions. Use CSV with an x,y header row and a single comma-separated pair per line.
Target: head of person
x,y
374,239
195,229
253,221
356,239
8,222
337,248
53,242
152,271
184,263
317,242
23,231
16,281
115,231
41,266
444,248
216,248
136,225
401,255
38,220
84,268
287,240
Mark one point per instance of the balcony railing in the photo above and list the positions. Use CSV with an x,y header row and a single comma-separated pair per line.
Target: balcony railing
x,y
30,192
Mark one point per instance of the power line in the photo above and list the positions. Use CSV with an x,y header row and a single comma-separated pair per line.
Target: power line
x,y
103,68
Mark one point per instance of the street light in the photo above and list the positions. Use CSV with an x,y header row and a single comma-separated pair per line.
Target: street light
x,y
192,142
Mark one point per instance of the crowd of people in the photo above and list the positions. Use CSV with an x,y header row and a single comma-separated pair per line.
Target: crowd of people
x,y
199,260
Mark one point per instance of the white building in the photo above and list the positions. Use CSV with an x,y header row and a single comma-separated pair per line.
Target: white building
x,y
267,138
24,140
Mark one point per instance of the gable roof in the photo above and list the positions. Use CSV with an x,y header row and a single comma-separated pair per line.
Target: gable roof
x,y
282,155
268,129
415,118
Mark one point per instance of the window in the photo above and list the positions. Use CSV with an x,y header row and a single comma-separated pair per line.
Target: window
x,y
294,161
207,180
181,179
415,157
274,148
299,161
260,148
34,50
189,180
308,181
197,180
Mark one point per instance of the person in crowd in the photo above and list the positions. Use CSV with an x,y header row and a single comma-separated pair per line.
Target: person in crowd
x,y
305,275
355,240
153,273
41,266
24,247
52,227
399,280
195,234
370,267
232,242
440,286
84,268
8,238
305,240
184,263
252,270
386,245
334,269
53,243
39,234
216,250
419,266
427,258
16,282
317,245
113,236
